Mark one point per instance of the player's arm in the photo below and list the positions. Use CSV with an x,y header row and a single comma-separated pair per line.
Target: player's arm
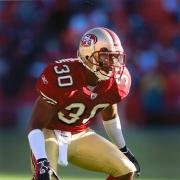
x,y
42,113
112,125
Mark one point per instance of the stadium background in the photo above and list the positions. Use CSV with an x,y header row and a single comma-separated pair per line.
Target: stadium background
x,y
34,33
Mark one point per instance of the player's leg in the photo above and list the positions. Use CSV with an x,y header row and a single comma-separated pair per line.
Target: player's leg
x,y
93,152
51,148
128,176
51,151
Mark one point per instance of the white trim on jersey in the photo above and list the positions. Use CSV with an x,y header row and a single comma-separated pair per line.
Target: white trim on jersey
x,y
48,99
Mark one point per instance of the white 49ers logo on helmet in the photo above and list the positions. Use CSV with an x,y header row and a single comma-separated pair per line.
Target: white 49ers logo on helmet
x,y
88,39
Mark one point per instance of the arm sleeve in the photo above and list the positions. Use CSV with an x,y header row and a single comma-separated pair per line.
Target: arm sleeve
x,y
37,143
114,131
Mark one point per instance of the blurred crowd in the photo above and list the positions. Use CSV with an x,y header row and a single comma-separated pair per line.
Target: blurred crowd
x,y
35,33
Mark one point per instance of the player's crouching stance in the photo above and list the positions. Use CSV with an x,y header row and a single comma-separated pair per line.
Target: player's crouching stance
x,y
71,93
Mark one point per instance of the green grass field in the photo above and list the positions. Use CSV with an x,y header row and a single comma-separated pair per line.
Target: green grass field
x,y
158,151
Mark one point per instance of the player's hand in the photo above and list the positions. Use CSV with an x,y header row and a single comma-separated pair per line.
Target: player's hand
x,y
44,170
131,157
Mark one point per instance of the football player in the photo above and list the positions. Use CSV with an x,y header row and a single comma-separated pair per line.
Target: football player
x,y
72,92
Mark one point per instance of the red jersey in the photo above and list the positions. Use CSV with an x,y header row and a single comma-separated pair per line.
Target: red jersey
x,y
62,83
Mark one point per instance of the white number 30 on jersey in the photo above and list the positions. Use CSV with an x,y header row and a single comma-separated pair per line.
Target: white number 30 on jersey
x,y
80,108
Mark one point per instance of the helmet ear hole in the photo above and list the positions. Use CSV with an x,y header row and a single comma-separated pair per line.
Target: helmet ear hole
x,y
87,57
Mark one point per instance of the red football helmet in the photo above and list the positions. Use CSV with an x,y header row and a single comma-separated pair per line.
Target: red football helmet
x,y
101,51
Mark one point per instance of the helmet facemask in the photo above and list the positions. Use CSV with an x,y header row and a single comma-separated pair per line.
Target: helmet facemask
x,y
104,63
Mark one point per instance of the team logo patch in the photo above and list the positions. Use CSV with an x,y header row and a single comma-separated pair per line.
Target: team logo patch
x,y
45,81
88,39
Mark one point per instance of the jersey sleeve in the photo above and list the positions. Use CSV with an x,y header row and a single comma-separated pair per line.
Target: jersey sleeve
x,y
123,84
46,85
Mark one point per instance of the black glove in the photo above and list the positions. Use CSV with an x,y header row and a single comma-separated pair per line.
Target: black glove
x,y
44,170
131,157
